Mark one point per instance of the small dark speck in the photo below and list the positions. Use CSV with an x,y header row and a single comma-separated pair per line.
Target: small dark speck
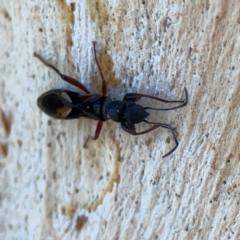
x,y
6,15
143,2
76,190
80,221
49,144
210,201
101,177
233,68
168,140
54,175
19,143
4,149
224,182
72,6
40,29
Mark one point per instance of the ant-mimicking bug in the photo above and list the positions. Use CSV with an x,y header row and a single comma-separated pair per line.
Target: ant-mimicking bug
x,y
65,104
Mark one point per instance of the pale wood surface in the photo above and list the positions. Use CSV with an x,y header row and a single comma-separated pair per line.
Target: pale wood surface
x,y
153,47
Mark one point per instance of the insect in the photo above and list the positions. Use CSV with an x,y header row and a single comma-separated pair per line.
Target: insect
x,y
65,104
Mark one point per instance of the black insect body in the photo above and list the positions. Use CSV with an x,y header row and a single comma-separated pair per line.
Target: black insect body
x,y
65,104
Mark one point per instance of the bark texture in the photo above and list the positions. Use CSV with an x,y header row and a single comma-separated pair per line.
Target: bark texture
x,y
151,47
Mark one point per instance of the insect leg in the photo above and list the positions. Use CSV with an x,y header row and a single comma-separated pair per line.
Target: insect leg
x,y
104,84
137,96
98,130
66,78
130,128
168,126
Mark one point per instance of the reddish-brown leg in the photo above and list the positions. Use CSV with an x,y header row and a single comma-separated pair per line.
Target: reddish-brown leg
x,y
66,78
104,84
98,130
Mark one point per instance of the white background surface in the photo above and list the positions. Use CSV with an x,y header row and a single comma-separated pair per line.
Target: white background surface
x,y
153,47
